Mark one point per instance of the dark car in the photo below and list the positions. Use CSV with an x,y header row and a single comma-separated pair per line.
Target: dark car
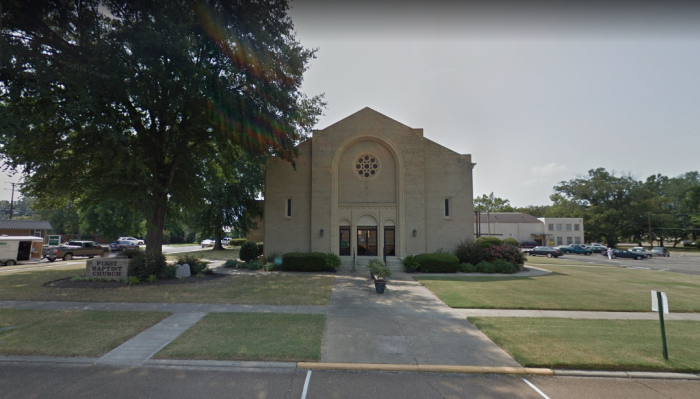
x,y
576,249
117,246
544,251
623,253
528,244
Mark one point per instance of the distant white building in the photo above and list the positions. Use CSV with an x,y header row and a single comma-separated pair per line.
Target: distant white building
x,y
524,227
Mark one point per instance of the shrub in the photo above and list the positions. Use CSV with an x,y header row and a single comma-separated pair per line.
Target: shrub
x,y
438,263
133,280
505,252
469,251
249,251
503,266
146,264
333,261
269,267
152,278
255,265
486,242
467,268
197,265
410,261
379,269
512,241
237,242
261,248
231,263
131,252
303,262
440,251
170,271
485,267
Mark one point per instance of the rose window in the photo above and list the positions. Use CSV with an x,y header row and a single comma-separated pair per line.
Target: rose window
x,y
366,166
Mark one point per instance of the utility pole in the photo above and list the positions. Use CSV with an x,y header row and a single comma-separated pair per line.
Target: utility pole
x,y
12,198
651,239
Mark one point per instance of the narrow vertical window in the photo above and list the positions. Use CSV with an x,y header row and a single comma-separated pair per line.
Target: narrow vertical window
x,y
447,207
288,209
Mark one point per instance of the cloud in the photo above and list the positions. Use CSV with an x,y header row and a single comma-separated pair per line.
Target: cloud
x,y
550,169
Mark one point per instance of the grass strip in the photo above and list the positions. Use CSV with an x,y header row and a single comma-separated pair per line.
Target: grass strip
x,y
70,333
250,336
632,345
208,254
569,288
264,289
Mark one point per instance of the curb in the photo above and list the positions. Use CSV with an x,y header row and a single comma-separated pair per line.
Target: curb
x,y
425,368
626,374
415,368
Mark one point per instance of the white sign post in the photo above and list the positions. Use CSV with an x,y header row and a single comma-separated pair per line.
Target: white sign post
x,y
659,303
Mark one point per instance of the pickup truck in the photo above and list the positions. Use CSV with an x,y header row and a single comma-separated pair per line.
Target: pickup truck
x,y
576,249
75,248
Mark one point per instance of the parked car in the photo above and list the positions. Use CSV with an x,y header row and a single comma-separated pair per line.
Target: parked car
x,y
660,251
623,253
225,241
544,251
76,248
528,244
642,251
207,243
137,241
576,249
117,246
597,248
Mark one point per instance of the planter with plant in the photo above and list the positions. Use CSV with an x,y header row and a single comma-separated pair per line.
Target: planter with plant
x,y
410,264
332,262
380,273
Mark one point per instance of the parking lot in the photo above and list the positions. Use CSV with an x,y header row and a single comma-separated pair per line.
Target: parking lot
x,y
687,263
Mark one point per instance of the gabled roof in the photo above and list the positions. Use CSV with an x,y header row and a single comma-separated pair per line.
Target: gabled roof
x,y
25,224
508,217
366,112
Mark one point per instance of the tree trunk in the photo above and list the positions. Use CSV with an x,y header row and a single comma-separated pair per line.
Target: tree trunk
x,y
154,234
217,241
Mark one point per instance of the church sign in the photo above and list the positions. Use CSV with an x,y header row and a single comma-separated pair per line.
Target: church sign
x,y
107,269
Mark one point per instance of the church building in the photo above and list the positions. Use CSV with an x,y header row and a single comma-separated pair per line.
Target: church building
x,y
368,186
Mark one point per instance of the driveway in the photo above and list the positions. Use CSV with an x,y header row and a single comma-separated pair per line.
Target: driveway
x,y
406,325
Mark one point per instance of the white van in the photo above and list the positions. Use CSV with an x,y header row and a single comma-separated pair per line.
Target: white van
x,y
20,248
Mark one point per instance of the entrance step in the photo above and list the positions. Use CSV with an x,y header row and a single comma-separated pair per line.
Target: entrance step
x,y
393,263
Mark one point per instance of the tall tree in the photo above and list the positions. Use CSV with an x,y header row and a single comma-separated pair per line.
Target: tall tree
x,y
130,99
228,199
491,203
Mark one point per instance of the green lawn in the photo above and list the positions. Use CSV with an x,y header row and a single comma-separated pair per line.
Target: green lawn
x,y
595,344
569,288
70,333
250,336
265,289
183,244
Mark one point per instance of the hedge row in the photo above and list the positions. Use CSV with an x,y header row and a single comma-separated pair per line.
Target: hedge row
x,y
437,263
303,262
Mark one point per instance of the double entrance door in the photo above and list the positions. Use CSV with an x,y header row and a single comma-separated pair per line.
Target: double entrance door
x,y
367,241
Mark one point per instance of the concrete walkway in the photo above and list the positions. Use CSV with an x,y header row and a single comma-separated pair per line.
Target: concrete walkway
x,y
162,307
142,347
406,325
567,314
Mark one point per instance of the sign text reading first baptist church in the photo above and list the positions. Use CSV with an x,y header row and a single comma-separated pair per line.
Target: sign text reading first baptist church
x,y
112,269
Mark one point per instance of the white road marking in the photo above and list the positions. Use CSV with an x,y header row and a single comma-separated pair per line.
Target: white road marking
x,y
535,388
306,385
663,270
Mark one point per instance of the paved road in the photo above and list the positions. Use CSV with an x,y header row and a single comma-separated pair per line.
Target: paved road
x,y
676,263
18,380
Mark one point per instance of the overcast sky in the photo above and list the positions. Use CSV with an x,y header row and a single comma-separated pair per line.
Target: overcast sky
x,y
536,94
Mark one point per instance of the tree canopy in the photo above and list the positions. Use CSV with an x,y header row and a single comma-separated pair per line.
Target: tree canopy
x,y
132,101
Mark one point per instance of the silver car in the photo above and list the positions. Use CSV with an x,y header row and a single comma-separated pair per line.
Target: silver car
x,y
660,251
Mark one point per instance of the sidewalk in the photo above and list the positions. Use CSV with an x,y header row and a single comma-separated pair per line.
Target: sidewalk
x,y
406,325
